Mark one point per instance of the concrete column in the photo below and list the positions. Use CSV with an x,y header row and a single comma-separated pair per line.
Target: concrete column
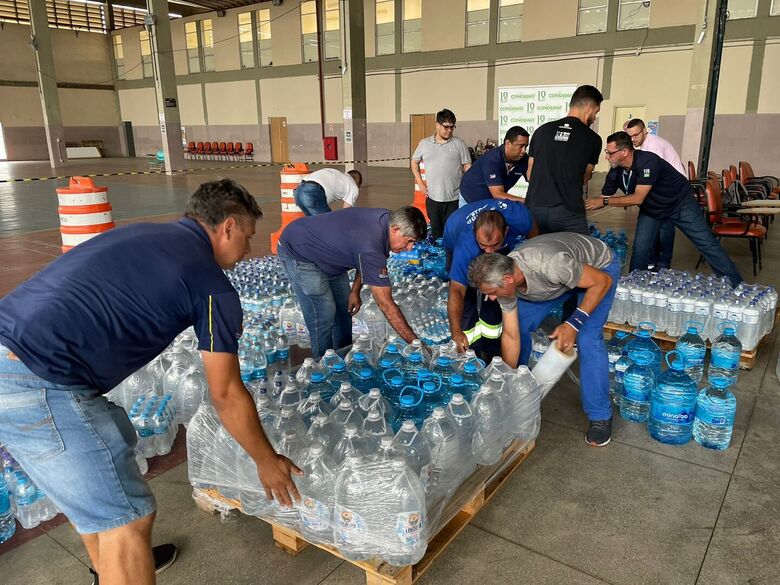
x,y
165,85
47,85
700,80
353,86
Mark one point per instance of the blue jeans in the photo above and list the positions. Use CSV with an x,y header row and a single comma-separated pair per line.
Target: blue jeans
x,y
324,301
594,365
75,445
663,249
689,219
311,199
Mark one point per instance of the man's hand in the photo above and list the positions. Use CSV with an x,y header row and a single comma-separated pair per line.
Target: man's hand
x,y
565,336
354,303
594,203
461,341
276,476
423,188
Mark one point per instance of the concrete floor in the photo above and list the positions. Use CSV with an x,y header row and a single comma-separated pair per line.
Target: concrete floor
x,y
633,512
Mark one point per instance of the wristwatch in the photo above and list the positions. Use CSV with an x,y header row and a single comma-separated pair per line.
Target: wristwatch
x,y
605,201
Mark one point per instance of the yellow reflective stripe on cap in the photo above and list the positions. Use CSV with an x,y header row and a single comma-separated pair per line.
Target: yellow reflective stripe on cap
x,y
211,329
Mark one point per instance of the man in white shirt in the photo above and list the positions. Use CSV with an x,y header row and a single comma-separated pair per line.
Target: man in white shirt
x,y
644,140
318,190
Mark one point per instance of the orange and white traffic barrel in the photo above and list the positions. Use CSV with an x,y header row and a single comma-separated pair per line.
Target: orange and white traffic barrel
x,y
84,211
291,176
419,198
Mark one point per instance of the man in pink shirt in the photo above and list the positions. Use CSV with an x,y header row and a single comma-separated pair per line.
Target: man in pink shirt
x,y
643,140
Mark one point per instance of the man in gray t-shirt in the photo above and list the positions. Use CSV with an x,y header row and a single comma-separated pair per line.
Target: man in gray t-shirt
x,y
530,281
446,158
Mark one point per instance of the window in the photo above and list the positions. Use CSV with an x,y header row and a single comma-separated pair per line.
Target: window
x,y
412,26
207,44
119,56
146,54
332,35
775,10
742,9
385,27
633,14
592,17
477,22
246,40
264,37
510,20
193,46
309,30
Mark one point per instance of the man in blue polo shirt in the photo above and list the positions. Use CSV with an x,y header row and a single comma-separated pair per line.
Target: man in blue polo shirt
x,y
662,194
494,225
318,251
93,317
494,173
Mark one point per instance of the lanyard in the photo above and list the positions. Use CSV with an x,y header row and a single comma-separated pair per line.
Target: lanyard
x,y
627,180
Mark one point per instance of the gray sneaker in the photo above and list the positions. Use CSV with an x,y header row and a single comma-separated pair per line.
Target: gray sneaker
x,y
599,433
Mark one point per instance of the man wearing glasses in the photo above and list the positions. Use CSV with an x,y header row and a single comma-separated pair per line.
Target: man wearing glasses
x,y
494,173
642,139
662,194
446,158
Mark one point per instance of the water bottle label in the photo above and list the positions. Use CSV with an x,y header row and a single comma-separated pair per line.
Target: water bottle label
x,y
314,514
750,319
289,328
705,310
350,526
720,313
671,414
692,356
715,419
636,387
359,326
409,528
301,330
282,355
636,296
689,307
675,305
725,360
735,316
622,295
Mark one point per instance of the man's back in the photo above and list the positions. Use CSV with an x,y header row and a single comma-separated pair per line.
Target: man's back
x,y
110,305
561,151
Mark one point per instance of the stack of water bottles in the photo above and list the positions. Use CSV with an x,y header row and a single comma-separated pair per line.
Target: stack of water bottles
x,y
670,298
384,435
669,401
617,241
21,499
427,258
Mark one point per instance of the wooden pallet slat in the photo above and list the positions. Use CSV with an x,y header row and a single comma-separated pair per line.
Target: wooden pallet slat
x,y
467,501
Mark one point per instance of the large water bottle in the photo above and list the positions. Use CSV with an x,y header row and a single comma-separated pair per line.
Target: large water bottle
x,y
316,489
462,418
489,423
716,407
289,420
618,312
319,383
188,395
374,400
410,407
303,375
283,352
330,358
614,352
675,316
374,319
393,386
375,425
638,384
26,498
346,392
346,412
313,405
673,403
703,314
323,431
693,349
416,451
725,354
688,309
7,521
643,341
353,443
720,314
470,358
539,344
751,327
442,437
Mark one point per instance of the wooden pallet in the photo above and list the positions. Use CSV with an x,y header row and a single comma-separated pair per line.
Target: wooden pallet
x,y
467,501
667,342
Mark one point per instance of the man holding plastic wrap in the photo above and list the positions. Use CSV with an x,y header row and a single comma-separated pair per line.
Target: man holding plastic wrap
x,y
530,281
488,225
91,318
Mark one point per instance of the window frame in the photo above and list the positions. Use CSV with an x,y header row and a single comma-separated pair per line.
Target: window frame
x,y
119,61
261,50
580,10
326,43
192,53
622,4
411,33
486,24
252,40
377,24
147,61
499,20
204,47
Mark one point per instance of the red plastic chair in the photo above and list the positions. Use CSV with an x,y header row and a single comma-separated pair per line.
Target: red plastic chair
x,y
239,149
207,149
230,150
215,148
223,149
249,153
199,149
190,149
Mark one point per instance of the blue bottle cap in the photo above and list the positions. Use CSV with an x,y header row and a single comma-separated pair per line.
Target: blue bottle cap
x,y
416,357
359,357
365,373
443,360
385,363
396,380
470,368
457,378
337,367
317,377
407,400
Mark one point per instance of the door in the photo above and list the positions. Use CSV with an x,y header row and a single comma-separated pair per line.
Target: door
x,y
279,150
422,125
625,113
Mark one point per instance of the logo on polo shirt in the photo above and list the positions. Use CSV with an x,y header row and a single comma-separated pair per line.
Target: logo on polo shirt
x,y
493,176
646,173
383,272
562,136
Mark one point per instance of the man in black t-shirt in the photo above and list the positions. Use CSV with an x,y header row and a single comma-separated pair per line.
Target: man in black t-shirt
x,y
562,156
662,194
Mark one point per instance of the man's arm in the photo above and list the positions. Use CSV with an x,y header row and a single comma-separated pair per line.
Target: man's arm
x,y
588,174
596,284
530,166
636,198
418,177
510,337
497,192
384,299
455,299
354,303
237,412
466,167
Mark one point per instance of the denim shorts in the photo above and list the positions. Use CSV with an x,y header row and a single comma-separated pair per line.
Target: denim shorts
x,y
75,445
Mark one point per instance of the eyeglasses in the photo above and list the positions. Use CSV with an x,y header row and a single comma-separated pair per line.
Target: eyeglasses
x,y
612,153
448,126
635,135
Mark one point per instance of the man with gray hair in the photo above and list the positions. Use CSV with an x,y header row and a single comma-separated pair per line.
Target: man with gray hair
x,y
318,251
538,275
